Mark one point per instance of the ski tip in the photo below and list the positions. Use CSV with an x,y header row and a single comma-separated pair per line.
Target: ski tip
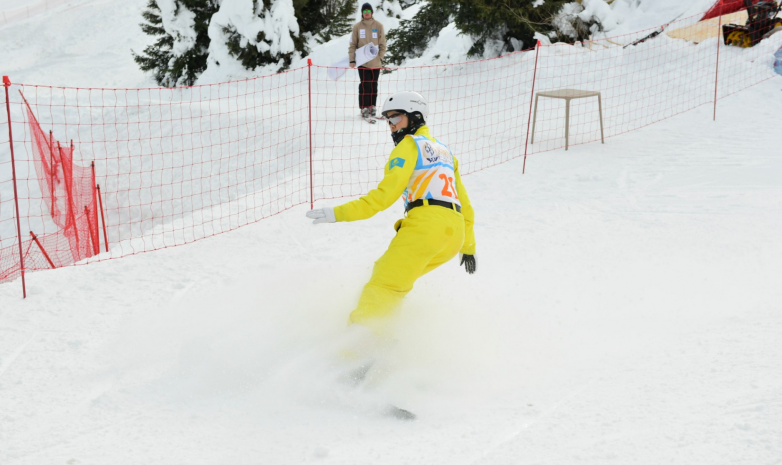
x,y
400,413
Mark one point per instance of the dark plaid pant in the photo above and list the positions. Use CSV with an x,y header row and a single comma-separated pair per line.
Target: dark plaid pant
x,y
367,90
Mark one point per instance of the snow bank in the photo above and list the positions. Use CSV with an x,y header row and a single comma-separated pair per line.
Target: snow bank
x,y
628,16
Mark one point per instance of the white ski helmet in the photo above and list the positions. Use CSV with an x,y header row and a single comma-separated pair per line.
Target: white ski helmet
x,y
408,102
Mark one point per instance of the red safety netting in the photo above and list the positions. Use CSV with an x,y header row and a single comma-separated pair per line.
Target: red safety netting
x,y
178,165
69,232
69,193
476,108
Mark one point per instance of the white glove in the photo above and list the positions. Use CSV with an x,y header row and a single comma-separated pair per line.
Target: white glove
x,y
322,215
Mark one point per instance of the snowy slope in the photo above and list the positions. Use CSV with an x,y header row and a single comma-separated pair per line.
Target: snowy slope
x,y
83,43
626,309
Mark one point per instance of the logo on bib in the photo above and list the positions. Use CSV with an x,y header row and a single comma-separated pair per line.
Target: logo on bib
x,y
437,154
431,157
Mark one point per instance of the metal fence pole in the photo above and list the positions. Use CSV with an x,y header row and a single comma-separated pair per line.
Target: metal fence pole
x,y
532,97
7,84
717,72
309,83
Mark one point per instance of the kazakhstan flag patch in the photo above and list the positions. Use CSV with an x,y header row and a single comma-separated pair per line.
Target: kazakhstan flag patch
x,y
400,162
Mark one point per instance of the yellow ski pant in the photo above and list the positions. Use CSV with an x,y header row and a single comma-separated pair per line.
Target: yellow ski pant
x,y
428,237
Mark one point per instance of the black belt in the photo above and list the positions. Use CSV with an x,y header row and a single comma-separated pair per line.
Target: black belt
x,y
439,203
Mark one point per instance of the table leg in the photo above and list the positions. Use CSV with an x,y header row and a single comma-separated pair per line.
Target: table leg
x,y
600,109
567,123
534,119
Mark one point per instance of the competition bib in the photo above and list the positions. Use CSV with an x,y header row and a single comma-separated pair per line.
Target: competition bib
x,y
362,33
433,177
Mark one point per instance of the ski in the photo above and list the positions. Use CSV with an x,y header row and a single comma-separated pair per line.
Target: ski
x,y
370,118
358,375
653,34
400,413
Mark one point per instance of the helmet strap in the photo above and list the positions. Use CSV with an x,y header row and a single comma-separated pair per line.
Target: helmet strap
x,y
414,123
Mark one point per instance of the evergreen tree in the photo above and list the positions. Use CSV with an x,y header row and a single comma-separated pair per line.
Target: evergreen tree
x,y
325,19
274,33
504,20
407,3
571,27
412,37
271,37
393,8
509,24
179,55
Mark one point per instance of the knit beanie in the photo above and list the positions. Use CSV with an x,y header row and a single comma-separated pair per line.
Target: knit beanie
x,y
367,6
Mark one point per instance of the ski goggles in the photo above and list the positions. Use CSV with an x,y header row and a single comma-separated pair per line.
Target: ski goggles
x,y
367,11
394,120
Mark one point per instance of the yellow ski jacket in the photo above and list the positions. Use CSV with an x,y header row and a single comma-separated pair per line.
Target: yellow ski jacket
x,y
393,185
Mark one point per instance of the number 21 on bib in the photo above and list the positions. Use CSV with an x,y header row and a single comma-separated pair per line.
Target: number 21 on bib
x,y
433,177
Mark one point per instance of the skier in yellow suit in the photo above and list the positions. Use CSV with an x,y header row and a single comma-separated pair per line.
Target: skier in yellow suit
x,y
438,221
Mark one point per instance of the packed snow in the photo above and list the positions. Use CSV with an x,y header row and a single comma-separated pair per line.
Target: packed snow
x,y
626,306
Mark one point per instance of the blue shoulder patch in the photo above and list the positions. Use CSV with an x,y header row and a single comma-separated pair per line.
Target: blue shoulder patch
x,y
400,162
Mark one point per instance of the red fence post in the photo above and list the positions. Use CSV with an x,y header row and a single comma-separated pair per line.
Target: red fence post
x,y
717,71
532,97
103,220
309,83
67,173
51,164
89,226
96,245
7,84
35,238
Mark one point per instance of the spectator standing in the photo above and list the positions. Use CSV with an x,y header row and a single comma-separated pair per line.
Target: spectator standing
x,y
366,31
